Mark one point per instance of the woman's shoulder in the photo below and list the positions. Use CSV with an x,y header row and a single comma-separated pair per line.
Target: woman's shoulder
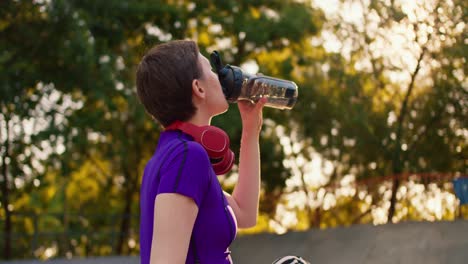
x,y
179,145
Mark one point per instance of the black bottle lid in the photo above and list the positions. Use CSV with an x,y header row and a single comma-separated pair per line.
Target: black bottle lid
x,y
229,76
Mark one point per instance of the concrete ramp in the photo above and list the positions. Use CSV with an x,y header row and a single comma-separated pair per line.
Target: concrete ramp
x,y
404,243
411,243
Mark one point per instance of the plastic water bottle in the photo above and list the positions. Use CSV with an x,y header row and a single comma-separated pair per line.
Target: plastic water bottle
x,y
238,85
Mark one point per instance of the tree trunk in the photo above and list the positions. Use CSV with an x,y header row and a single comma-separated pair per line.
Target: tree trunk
x,y
391,210
317,217
126,216
310,212
5,194
129,169
396,163
65,237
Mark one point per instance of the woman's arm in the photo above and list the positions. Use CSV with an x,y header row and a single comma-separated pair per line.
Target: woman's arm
x,y
174,217
245,197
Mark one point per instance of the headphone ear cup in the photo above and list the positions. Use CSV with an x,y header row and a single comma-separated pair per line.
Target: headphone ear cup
x,y
215,141
225,164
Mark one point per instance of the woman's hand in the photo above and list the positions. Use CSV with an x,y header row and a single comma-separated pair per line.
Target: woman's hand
x,y
251,114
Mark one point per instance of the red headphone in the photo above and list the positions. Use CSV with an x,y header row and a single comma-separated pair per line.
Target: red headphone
x,y
214,140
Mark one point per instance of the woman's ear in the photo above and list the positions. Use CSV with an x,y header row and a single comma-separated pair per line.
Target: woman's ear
x,y
197,90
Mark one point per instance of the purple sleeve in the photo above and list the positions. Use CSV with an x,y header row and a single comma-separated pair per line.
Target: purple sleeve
x,y
187,172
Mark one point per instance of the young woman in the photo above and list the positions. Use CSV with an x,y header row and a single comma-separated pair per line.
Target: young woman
x,y
185,215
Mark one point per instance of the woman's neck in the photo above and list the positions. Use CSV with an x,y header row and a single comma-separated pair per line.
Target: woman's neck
x,y
200,120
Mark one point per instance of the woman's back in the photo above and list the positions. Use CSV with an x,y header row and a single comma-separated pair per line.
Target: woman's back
x,y
182,166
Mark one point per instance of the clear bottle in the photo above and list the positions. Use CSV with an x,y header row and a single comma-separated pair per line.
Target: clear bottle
x,y
281,94
237,85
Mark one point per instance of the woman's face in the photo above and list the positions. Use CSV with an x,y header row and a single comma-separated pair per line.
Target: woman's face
x,y
215,98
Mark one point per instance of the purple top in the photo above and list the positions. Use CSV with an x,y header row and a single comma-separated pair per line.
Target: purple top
x,y
181,165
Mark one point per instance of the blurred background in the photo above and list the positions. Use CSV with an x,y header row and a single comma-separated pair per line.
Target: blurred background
x,y
378,136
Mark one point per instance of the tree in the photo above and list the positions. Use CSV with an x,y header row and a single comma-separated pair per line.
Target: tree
x,y
85,56
31,103
367,107
376,101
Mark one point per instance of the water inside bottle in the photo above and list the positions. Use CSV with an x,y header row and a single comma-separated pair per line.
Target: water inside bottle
x,y
281,94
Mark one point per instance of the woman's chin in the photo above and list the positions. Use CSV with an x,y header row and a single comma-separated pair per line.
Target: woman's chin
x,y
223,110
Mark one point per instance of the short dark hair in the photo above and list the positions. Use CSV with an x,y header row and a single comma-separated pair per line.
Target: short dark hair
x,y
164,80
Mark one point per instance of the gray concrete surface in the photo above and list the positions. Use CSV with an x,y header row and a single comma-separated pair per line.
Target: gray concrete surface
x,y
404,243
97,260
424,242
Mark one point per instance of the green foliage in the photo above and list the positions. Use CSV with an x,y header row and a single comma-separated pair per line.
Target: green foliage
x,y
74,139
